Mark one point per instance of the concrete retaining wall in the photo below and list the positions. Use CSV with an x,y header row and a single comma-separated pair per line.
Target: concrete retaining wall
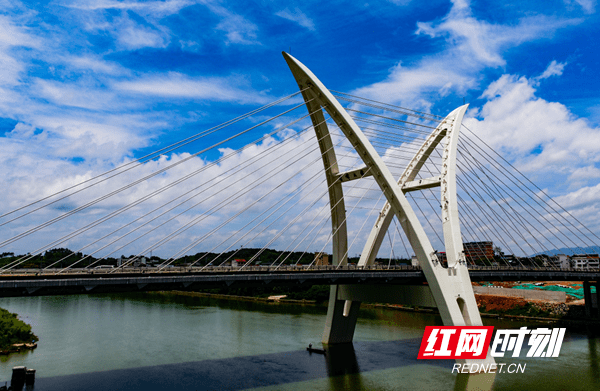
x,y
559,297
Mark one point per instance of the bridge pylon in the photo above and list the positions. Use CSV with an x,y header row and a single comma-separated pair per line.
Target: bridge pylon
x,y
449,288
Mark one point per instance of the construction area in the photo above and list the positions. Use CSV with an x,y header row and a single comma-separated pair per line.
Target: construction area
x,y
538,299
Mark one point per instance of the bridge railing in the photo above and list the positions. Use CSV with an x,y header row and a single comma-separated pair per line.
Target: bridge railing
x,y
264,269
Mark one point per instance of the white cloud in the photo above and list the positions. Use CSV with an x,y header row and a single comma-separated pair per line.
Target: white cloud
x,y
296,15
238,30
175,85
33,178
76,94
84,109
265,166
543,138
134,37
13,36
130,34
95,64
471,45
589,6
156,9
554,69
412,85
584,174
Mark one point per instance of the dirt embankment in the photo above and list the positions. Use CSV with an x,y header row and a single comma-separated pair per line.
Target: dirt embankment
x,y
517,306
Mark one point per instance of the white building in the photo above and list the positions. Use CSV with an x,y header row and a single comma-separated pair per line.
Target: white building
x,y
585,261
562,261
414,261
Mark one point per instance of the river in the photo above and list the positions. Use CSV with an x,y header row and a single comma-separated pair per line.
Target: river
x,y
167,341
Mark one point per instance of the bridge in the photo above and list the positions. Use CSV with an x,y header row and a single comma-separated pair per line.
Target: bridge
x,y
269,192
381,280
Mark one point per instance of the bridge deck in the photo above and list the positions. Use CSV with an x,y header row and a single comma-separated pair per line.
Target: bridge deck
x,y
36,282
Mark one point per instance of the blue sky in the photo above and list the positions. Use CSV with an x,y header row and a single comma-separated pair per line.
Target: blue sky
x,y
87,85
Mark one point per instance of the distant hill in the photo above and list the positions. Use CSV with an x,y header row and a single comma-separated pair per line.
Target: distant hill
x,y
572,250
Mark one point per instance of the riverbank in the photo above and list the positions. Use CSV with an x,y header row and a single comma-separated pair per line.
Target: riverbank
x,y
497,307
270,299
15,335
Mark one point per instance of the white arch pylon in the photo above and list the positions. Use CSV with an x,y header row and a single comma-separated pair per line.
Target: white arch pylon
x,y
448,288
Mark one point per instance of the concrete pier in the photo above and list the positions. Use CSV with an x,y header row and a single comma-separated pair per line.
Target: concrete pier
x,y
592,309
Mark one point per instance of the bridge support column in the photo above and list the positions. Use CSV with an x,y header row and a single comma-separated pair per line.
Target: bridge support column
x,y
589,299
597,284
341,318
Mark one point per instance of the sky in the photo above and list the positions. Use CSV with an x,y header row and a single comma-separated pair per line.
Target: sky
x,y
88,85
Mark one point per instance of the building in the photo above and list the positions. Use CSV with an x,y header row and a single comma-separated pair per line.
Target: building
x,y
238,262
137,262
321,259
561,261
585,261
478,250
414,261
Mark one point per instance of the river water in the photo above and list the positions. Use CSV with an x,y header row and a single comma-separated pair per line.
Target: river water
x,y
166,341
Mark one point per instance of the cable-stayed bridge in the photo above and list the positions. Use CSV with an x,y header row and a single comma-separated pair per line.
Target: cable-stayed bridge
x,y
314,172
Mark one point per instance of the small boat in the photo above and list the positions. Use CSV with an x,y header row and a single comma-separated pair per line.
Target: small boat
x,y
315,350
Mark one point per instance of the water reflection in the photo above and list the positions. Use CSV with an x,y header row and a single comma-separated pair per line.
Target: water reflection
x,y
344,371
342,368
594,370
474,381
167,341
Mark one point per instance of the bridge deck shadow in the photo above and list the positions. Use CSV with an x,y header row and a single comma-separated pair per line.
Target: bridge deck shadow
x,y
241,373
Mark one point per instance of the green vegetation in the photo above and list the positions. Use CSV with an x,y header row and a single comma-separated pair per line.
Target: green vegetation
x,y
63,257
59,257
13,330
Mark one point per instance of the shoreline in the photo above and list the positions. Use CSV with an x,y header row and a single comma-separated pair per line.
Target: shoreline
x,y
379,305
17,336
18,347
238,298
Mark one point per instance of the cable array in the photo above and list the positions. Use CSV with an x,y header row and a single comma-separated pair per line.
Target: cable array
x,y
203,211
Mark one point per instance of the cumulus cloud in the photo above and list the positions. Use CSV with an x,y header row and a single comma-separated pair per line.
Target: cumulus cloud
x,y
471,45
582,175
80,112
544,140
244,182
538,134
